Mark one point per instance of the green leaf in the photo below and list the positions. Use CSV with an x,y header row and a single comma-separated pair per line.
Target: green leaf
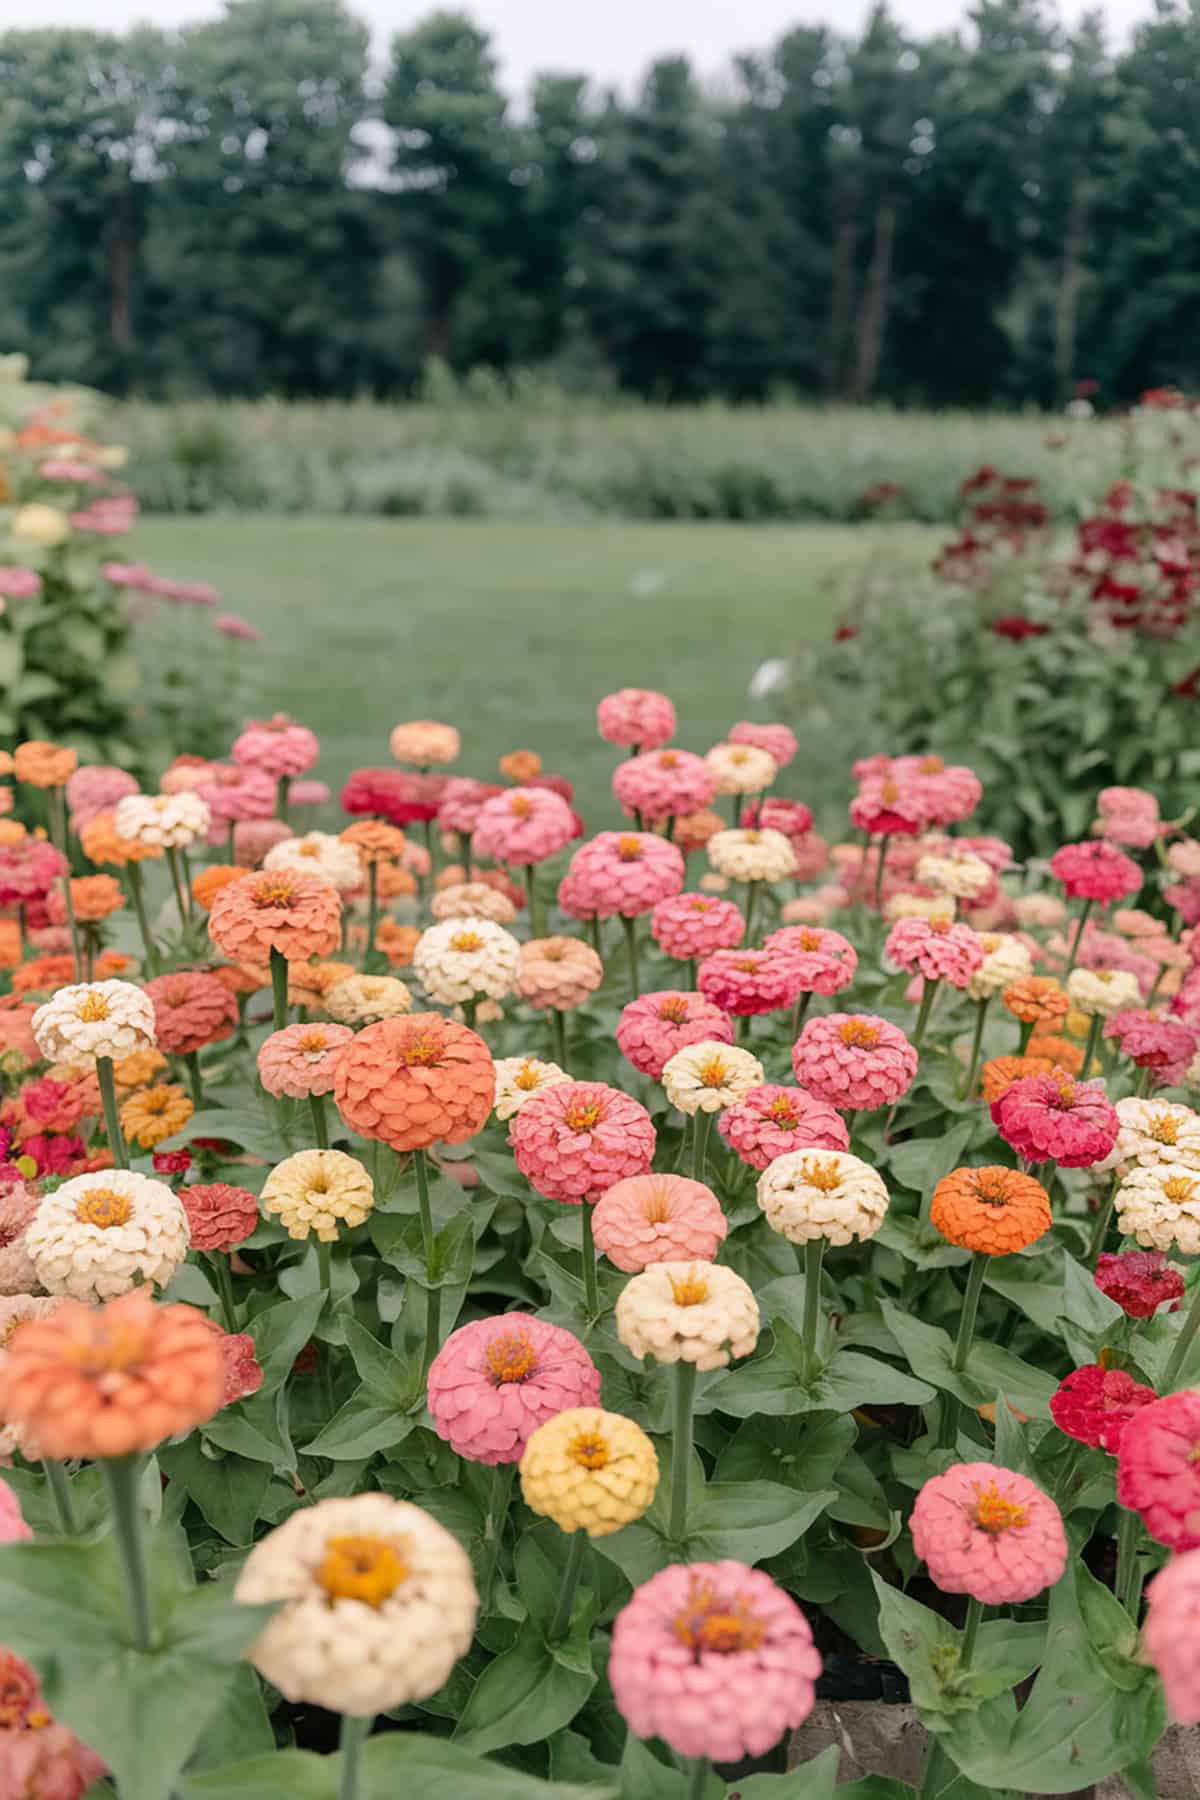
x,y
360,1428
390,1378
287,1775
242,1728
815,1780
280,1333
772,1385
404,1762
252,1128
751,1520
804,1456
524,1696
921,1164
228,1489
989,1369
643,1777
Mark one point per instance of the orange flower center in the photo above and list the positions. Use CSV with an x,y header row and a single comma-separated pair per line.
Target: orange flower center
x,y
364,1568
590,1450
93,1009
103,1207
520,806
825,1176
739,756
810,940
748,964
158,1100
1163,1128
993,1187
859,1033
750,836
714,1073
466,941
669,759
629,849
308,849
939,924
656,1205
422,1050
1064,1101
690,1289
275,891
932,765
1179,1189
700,905
511,1357
889,793
674,1011
782,1111
311,1043
993,1513
528,1078
584,1115
717,1624
7,1333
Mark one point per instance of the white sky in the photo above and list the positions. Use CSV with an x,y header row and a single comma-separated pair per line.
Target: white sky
x,y
613,42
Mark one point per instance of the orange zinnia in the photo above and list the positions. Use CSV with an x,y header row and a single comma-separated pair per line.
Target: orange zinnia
x,y
375,841
300,916
10,944
397,942
42,764
103,843
1060,1050
394,883
308,983
12,831
994,1209
1037,999
415,1081
94,897
111,1380
1000,1073
209,882
521,765
152,1114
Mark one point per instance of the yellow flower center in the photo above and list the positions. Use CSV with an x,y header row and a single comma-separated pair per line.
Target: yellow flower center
x,y
716,1623
363,1568
782,1111
669,759
889,793
629,848
714,1073
7,1332
527,1078
748,964
699,904
939,923
739,756
308,849
859,1033
520,806
690,1289
422,1049
511,1357
93,1009
674,1011
825,1176
810,940
103,1207
466,940
656,1205
994,1513
1163,1128
311,1043
590,1450
1179,1189
584,1115
277,891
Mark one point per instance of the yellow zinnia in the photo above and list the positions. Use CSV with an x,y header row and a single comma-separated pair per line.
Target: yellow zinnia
x,y
589,1470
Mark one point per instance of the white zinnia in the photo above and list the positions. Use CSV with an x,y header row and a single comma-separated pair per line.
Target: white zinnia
x,y
94,1018
695,1312
1102,992
1160,1207
740,768
99,1235
519,1078
462,958
1153,1132
319,853
963,875
162,821
751,855
364,999
379,1603
708,1076
822,1194
1005,960
473,900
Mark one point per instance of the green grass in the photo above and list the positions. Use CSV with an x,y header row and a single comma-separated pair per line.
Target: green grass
x,y
513,631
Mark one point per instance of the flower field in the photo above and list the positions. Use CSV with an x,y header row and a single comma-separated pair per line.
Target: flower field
x,y
524,1306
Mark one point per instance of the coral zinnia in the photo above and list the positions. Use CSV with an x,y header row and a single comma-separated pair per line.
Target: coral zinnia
x,y
658,1218
576,1139
219,1216
300,1060
993,1209
558,973
494,1381
1050,1118
415,1081
108,1381
988,1532
1036,1000
191,1010
276,909
1094,1405
1158,1474
693,925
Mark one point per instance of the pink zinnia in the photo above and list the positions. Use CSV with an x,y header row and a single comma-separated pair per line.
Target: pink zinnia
x,y
18,1204
1158,1474
461,802
277,746
688,926
791,817
658,1218
309,793
713,1658
523,825
854,1060
824,960
1171,1631
779,742
660,784
935,949
888,806
1139,1281
192,1009
1164,1045
39,1758
772,1121
1095,871
13,1529
988,1532
232,625
748,982
28,870
301,1060
235,793
1050,1118
20,584
652,1028
951,793
93,789
494,1381
574,1141
1128,816
624,872
252,838
636,718
398,795
1095,1404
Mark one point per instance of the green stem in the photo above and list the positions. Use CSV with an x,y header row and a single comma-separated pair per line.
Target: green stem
x,y
470,1010
813,1256
137,894
279,987
698,1778
1026,1034
431,848
879,868
177,884
433,1295
58,833
325,1266
560,1623
535,905
1128,1585
353,1735
558,1025
122,1476
971,1626
218,1262
191,1063
1145,1083
1093,1039
981,1012
691,973
60,1494
281,797
681,1451
372,911
928,996
970,1311
799,1013
701,1126
1077,940
593,931
751,906
493,1531
316,1105
631,945
112,1117
1103,1220
591,1285
1183,1343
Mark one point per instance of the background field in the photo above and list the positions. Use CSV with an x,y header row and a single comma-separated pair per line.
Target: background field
x,y
514,631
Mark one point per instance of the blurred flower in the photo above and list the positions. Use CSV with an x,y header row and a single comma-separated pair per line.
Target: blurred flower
x,y
474,900
208,882
162,821
37,524
959,873
1158,1474
1102,992
779,741
103,843
252,838
315,1191
995,1209
657,1218
415,1081
693,830
589,1470
424,741
1139,1281
1095,871
43,765
695,1312
822,1194
741,769
660,784
18,1206
494,1381
936,949
363,999
39,1758
192,1009
988,1532
751,855
709,1076
319,853
233,626
397,942
1170,1632
520,765
277,746
1128,816
636,718
824,961
1006,960
575,1139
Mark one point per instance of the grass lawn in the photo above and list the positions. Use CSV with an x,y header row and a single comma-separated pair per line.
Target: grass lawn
x,y
513,631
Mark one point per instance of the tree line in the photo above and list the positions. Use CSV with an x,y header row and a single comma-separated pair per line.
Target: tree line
x,y
254,205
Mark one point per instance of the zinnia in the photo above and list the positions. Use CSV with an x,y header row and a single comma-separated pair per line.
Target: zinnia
x,y
494,1381
636,718
658,1218
1170,1632
660,784
425,741
694,1312
219,1217
319,853
1094,1405
1139,1281
300,1060
772,1121
688,926
828,1194
653,1028
192,1009
1159,1205
1036,1000
1095,870
988,1532
415,1081
854,1060
558,973
589,1470
1050,1118
709,1076
523,826
994,1209
824,961
154,1114
278,746
276,909
623,872
576,1139
1158,1474
462,958
749,982
99,1235
935,949
741,768
96,1018
519,1078
751,855
317,1191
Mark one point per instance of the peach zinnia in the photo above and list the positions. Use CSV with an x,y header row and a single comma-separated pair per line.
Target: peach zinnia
x,y
42,764
415,1081
276,909
558,973
301,1060
112,1380
993,1209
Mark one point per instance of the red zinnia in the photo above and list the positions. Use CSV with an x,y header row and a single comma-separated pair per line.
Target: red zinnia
x,y
1094,1405
1050,1118
1138,1280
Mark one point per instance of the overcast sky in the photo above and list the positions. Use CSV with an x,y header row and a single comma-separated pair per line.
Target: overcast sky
x,y
612,41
